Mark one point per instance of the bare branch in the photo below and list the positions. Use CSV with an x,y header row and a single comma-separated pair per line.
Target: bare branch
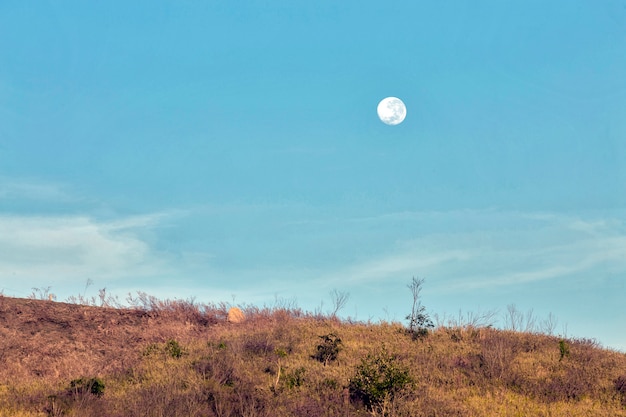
x,y
339,300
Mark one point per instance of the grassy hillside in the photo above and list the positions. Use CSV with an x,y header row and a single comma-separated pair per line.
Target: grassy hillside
x,y
182,359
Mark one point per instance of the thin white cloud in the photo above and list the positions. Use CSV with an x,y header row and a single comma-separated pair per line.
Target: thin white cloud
x,y
490,248
405,263
23,189
48,251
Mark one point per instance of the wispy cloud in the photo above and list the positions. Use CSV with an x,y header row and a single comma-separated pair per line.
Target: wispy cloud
x,y
25,189
57,250
480,249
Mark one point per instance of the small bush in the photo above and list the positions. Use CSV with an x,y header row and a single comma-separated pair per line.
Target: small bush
x,y
330,383
151,349
296,378
173,349
93,386
378,379
328,350
564,349
80,394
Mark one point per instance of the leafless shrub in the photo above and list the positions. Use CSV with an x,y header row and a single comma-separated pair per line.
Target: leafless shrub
x,y
259,344
222,310
308,407
620,386
548,325
467,320
186,311
281,303
222,402
108,300
189,312
514,318
218,368
318,312
251,402
588,343
40,293
530,322
497,353
519,321
574,384
168,401
256,314
144,301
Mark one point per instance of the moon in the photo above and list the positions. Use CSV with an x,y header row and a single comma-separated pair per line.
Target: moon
x,y
391,111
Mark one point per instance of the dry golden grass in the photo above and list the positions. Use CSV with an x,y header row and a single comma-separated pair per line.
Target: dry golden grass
x,y
182,359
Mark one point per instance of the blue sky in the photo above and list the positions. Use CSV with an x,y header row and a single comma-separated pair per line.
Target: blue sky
x,y
226,151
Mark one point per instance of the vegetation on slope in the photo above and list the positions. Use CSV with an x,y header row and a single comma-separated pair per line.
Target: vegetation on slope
x,y
179,358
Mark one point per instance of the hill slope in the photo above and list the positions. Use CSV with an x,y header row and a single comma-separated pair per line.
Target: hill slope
x,y
181,359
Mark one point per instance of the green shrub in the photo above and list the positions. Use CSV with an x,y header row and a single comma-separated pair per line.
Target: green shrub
x,y
93,386
296,378
330,383
328,350
173,349
378,379
564,349
151,349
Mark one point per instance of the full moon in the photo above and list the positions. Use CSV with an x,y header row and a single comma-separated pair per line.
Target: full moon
x,y
391,111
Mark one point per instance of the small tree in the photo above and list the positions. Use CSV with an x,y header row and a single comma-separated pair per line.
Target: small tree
x,y
419,320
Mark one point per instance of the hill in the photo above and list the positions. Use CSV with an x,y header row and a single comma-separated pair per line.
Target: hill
x,y
178,358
